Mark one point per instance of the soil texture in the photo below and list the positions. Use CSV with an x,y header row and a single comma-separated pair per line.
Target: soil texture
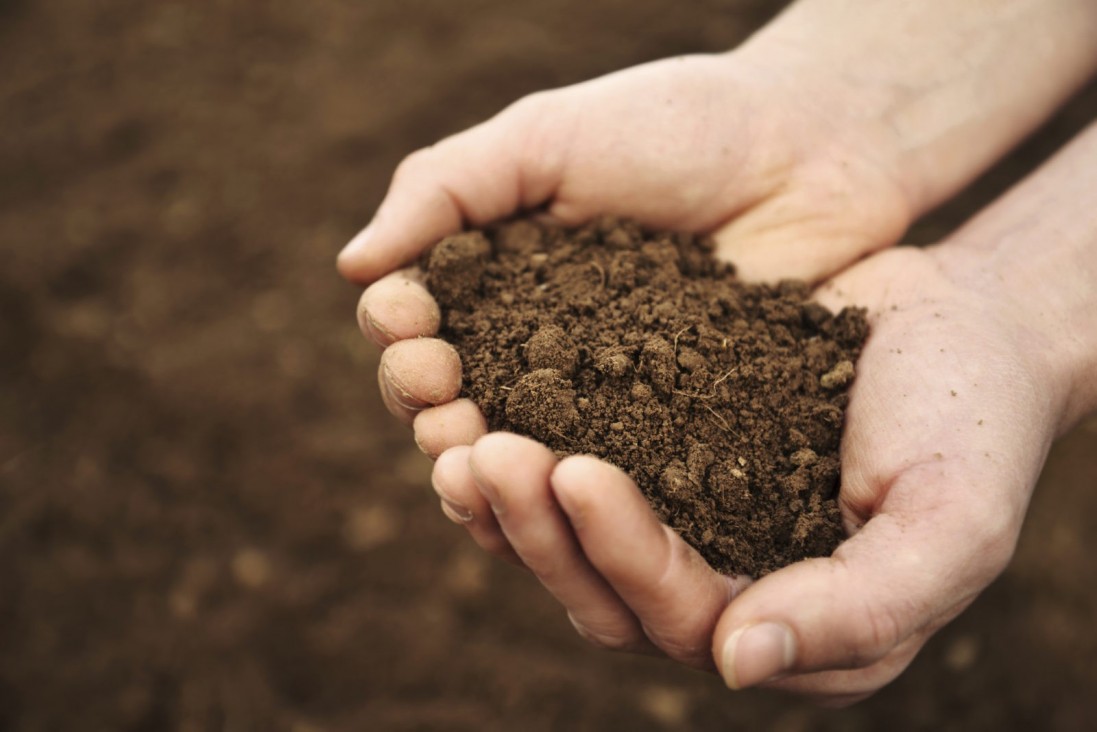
x,y
723,400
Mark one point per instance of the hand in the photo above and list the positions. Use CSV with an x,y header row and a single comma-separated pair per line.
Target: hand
x,y
815,143
725,146
932,455
980,353
800,162
705,143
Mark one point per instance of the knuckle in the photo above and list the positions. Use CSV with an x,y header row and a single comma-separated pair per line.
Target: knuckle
x,y
839,688
544,563
529,106
618,640
534,126
991,528
411,166
681,650
880,630
995,537
493,543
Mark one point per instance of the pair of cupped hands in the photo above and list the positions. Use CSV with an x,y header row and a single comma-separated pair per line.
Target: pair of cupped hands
x,y
958,394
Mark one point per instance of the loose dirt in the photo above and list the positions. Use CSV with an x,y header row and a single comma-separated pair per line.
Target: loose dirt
x,y
723,400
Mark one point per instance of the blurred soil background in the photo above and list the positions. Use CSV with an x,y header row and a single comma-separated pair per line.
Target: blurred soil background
x,y
207,522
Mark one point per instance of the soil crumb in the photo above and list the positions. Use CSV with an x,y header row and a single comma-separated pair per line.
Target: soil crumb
x,y
723,400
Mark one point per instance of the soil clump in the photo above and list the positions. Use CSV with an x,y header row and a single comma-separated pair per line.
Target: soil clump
x,y
723,400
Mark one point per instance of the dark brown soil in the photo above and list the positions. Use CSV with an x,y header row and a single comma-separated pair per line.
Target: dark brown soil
x,y
207,520
723,400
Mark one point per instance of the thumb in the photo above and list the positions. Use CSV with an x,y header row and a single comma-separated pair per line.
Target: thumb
x,y
801,233
484,173
912,568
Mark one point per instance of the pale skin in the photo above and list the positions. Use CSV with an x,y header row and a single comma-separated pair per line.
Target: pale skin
x,y
801,157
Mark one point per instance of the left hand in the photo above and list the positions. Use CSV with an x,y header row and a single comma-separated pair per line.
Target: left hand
x,y
949,422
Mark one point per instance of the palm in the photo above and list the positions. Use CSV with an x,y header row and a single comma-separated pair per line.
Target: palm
x,y
702,144
721,144
935,475
943,381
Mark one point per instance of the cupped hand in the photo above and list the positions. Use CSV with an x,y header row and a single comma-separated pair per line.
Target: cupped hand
x,y
814,143
982,350
789,184
949,422
951,415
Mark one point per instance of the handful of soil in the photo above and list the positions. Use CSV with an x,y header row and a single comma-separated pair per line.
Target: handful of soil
x,y
723,400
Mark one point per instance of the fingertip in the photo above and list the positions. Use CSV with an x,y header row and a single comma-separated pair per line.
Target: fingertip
x,y
372,328
475,176
842,612
352,262
480,175
899,578
576,471
397,308
451,461
451,483
462,503
773,606
757,653
577,481
457,423
665,582
505,464
512,474
423,371
507,446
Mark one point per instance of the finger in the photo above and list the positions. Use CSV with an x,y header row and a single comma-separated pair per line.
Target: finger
x,y
417,373
477,176
397,307
907,329
463,505
512,473
459,422
914,565
673,591
767,243
842,688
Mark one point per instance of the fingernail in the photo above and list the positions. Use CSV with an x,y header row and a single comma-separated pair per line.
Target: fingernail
x,y
487,490
455,512
402,396
358,243
376,331
757,653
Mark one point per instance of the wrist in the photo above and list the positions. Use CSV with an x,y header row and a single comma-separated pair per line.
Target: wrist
x,y
1050,315
938,88
1034,255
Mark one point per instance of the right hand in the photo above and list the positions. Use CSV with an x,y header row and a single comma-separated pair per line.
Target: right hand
x,y
810,146
787,184
982,350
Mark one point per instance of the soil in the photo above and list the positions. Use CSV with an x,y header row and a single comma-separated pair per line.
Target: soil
x,y
207,520
723,400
